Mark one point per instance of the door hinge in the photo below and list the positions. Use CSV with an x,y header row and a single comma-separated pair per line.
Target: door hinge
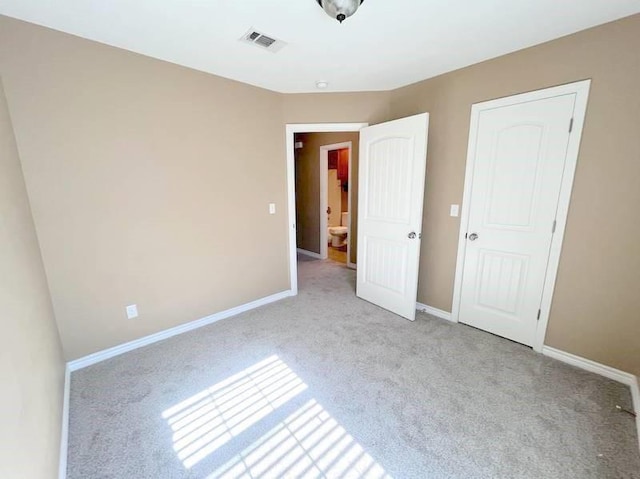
x,y
539,313
571,125
553,228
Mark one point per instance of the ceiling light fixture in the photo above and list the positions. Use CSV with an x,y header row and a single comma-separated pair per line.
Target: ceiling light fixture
x,y
321,84
340,9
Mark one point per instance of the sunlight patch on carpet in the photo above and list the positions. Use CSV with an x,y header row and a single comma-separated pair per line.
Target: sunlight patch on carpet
x,y
208,420
308,443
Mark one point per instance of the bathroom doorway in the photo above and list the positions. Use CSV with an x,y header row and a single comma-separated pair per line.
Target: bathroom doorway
x,y
326,195
335,204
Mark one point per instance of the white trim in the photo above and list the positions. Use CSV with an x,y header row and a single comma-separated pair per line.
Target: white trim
x,y
290,131
635,397
291,208
591,366
324,193
64,430
581,90
573,150
438,313
606,371
323,166
350,237
167,333
311,254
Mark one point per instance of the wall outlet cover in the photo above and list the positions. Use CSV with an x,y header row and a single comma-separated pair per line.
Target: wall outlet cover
x,y
132,311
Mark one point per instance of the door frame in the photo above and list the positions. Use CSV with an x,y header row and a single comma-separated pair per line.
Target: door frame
x,y
324,200
581,90
290,130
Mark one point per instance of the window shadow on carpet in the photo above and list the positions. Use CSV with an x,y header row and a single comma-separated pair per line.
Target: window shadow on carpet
x,y
221,425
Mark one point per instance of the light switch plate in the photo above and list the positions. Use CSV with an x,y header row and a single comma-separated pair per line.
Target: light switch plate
x,y
132,311
455,210
272,208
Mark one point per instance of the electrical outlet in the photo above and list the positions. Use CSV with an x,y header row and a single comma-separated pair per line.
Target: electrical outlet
x,y
132,311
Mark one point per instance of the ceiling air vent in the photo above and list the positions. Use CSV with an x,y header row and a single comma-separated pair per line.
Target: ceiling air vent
x,y
263,41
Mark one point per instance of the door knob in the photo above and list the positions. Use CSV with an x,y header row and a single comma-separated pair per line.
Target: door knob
x,y
473,236
412,235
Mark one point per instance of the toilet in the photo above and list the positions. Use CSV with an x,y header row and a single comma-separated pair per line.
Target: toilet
x,y
338,234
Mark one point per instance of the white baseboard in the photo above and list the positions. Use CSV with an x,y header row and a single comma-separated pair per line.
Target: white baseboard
x,y
311,254
167,333
606,371
64,430
635,396
351,265
588,365
438,313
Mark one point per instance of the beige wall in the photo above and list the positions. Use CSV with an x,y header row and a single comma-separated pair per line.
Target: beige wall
x,y
31,364
134,167
308,188
371,107
596,303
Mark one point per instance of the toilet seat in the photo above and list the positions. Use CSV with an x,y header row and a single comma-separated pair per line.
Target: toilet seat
x,y
338,230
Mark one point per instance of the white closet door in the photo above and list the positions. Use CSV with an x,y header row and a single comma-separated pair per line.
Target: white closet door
x,y
519,163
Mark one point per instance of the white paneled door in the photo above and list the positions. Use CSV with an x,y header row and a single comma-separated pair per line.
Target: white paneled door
x,y
519,163
392,171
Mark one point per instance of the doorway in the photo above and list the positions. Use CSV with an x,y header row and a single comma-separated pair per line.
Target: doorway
x,y
521,162
291,131
335,202
324,183
391,189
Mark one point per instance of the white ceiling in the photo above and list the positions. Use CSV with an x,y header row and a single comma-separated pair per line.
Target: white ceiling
x,y
385,45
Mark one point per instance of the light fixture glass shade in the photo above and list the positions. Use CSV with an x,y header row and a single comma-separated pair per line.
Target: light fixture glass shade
x,y
340,9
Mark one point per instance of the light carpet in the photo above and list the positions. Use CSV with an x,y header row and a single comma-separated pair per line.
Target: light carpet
x,y
327,385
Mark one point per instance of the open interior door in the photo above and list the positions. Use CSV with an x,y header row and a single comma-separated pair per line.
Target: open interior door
x,y
393,158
